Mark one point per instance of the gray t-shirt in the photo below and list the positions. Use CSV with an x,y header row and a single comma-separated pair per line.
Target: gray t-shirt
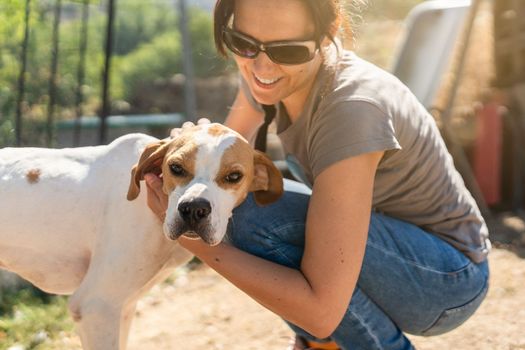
x,y
355,108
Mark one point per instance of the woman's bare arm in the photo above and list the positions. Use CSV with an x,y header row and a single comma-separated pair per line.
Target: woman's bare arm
x,y
316,297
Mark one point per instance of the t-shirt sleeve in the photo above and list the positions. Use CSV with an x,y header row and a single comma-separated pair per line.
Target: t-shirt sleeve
x,y
347,129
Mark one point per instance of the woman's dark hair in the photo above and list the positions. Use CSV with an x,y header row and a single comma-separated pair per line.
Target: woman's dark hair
x,y
326,14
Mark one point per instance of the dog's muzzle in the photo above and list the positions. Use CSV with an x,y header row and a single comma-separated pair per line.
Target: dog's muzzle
x,y
194,220
195,211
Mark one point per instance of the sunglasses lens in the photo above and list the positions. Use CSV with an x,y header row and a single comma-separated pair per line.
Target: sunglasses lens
x,y
281,53
240,45
290,54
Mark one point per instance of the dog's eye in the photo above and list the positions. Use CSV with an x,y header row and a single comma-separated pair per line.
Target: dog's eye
x,y
177,170
234,177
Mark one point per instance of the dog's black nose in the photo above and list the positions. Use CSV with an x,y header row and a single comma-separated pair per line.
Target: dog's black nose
x,y
193,211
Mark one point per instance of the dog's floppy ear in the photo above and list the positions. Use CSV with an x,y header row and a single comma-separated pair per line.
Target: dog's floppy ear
x,y
150,162
267,185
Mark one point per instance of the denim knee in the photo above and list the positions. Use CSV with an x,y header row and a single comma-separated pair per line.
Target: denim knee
x,y
425,285
274,232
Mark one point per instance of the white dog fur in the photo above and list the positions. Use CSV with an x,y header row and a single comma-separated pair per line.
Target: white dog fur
x,y
67,227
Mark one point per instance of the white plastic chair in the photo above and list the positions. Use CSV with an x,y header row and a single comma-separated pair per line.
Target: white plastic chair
x,y
431,31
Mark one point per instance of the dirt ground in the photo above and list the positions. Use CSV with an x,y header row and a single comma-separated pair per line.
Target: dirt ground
x,y
200,310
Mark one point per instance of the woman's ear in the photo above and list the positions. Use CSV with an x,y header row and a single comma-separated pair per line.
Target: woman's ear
x,y
150,162
267,184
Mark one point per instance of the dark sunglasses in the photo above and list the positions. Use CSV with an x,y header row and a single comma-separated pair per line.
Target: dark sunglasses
x,y
281,52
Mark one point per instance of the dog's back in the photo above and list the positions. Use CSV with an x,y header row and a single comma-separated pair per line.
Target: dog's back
x,y
53,203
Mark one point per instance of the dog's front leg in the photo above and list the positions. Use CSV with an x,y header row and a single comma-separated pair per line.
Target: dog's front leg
x,y
126,263
98,323
102,323
127,317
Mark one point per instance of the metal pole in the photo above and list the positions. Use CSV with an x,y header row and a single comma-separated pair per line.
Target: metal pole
x,y
21,77
53,76
106,104
81,70
458,70
187,64
460,158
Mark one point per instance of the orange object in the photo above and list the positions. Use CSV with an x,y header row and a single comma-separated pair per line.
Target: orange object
x,y
488,151
322,346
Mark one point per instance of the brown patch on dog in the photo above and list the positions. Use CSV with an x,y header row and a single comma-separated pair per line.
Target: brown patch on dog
x,y
150,162
217,130
183,153
237,158
268,182
260,175
33,176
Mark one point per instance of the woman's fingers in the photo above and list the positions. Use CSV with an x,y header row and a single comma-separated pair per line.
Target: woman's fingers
x,y
177,131
187,125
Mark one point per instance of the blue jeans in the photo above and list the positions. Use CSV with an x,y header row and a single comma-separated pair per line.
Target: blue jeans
x,y
411,281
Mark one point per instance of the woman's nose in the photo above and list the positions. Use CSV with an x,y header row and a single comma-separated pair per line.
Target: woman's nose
x,y
262,61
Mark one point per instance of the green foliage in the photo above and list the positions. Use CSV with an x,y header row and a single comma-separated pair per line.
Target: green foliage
x,y
11,16
205,58
30,320
161,57
147,47
139,22
37,77
11,33
7,133
158,58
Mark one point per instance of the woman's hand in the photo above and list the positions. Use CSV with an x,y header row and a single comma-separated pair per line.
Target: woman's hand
x,y
176,131
157,199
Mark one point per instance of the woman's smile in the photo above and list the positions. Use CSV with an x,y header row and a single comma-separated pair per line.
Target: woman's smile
x,y
266,83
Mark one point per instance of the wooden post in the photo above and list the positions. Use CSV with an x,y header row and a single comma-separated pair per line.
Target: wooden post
x,y
106,103
22,77
457,152
53,76
81,70
187,64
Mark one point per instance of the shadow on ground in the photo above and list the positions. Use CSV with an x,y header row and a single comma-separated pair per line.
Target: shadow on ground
x,y
507,231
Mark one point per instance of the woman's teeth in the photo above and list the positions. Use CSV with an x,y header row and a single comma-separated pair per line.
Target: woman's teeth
x,y
266,81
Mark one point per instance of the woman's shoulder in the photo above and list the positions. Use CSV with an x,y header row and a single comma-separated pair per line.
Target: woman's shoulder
x,y
355,77
351,79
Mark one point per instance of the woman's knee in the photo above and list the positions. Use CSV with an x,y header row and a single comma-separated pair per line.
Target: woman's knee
x,y
441,285
274,232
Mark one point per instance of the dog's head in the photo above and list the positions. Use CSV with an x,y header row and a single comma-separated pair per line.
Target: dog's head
x,y
207,171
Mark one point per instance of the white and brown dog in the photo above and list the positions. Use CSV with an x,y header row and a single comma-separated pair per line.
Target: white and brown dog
x,y
67,227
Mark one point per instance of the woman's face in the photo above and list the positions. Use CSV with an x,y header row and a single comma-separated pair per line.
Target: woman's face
x,y
276,20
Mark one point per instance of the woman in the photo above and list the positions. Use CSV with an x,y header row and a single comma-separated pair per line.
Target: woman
x,y
390,241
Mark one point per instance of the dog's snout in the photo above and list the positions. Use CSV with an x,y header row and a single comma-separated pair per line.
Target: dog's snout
x,y
194,211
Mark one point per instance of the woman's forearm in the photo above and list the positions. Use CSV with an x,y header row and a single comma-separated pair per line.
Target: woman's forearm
x,y
283,290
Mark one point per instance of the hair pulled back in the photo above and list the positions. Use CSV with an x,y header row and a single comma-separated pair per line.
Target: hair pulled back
x,y
327,15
